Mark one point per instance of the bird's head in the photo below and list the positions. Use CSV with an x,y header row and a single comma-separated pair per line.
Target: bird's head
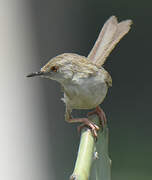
x,y
58,68
64,67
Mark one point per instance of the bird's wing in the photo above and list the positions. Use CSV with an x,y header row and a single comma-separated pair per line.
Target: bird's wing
x,y
109,36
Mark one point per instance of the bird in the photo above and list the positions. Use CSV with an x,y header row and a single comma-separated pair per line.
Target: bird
x,y
83,79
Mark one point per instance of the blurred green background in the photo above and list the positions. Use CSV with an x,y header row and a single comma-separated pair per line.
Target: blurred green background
x,y
38,143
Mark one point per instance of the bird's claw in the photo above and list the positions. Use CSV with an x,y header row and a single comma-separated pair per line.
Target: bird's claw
x,y
94,128
100,113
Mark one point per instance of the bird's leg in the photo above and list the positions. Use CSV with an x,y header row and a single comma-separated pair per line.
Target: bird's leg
x,y
85,122
101,115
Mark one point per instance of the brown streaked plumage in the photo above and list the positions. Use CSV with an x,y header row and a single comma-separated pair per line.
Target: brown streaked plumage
x,y
83,79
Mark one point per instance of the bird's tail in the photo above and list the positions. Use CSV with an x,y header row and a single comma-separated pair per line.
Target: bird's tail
x,y
109,36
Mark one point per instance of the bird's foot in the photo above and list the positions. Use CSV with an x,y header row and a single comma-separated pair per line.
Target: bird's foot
x,y
100,113
86,123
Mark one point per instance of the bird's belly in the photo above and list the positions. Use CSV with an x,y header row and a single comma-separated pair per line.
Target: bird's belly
x,y
85,95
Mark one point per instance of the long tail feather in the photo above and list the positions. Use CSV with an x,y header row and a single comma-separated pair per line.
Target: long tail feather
x,y
109,36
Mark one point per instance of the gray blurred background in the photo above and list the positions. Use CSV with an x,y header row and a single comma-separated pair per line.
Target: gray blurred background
x,y
35,141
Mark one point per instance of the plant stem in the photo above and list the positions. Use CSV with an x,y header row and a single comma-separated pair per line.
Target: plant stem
x,y
86,155
84,158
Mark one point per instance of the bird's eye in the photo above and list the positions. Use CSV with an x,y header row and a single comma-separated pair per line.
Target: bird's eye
x,y
54,68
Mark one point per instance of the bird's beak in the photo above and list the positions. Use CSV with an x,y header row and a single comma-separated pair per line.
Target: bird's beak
x,y
35,74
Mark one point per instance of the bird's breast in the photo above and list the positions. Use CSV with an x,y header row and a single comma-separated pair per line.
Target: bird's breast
x,y
87,93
